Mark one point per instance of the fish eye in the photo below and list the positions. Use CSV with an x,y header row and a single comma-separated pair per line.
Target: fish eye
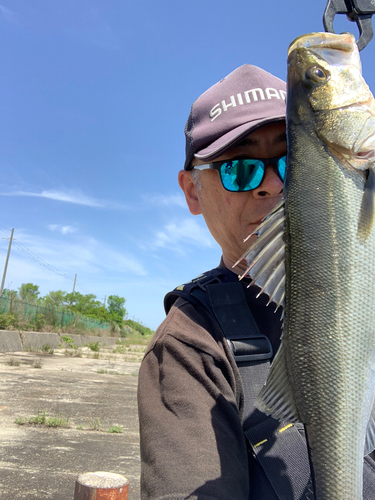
x,y
315,75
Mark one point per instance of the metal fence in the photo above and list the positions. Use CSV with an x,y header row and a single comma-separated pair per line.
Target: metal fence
x,y
31,311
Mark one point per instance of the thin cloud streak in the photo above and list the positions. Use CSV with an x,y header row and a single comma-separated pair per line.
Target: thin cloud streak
x,y
173,200
72,196
62,229
75,197
176,235
8,15
90,258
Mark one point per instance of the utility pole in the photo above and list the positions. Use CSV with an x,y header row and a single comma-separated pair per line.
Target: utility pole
x,y
74,285
6,263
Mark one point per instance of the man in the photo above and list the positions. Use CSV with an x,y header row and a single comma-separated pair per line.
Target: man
x,y
191,398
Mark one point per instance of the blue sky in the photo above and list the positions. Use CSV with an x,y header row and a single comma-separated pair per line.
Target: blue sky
x,y
94,96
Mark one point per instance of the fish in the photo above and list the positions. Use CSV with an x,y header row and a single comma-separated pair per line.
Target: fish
x,y
314,256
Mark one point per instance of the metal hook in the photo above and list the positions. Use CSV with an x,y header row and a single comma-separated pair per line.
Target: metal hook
x,y
358,11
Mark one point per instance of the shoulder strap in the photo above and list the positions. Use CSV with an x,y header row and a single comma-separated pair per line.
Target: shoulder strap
x,y
225,299
220,292
194,291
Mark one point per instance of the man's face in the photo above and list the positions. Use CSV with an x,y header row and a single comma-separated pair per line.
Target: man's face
x,y
232,216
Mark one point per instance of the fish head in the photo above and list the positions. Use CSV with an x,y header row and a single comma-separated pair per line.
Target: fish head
x,y
327,90
329,68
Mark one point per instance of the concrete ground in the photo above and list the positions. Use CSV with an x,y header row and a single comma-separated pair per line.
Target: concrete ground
x,y
39,462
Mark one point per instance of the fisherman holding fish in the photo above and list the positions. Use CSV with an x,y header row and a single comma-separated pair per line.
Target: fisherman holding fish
x,y
202,433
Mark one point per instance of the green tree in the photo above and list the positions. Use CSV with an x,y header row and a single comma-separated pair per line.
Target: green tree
x,y
116,308
55,298
12,294
29,291
87,305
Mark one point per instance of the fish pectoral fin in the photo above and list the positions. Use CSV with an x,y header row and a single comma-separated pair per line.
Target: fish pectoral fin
x,y
367,214
370,434
266,256
276,398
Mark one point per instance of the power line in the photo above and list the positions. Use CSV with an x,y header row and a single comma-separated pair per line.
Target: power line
x,y
5,234
36,258
29,253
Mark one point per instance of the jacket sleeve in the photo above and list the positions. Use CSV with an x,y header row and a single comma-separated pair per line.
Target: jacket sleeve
x,y
192,444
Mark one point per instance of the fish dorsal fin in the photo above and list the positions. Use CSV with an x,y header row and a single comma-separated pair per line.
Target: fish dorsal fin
x,y
276,398
370,434
367,215
265,258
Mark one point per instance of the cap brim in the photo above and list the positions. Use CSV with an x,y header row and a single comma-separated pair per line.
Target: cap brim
x,y
227,141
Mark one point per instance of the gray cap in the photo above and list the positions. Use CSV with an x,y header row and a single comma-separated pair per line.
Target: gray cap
x,y
246,99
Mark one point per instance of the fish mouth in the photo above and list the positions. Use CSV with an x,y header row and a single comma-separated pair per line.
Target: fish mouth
x,y
343,42
335,49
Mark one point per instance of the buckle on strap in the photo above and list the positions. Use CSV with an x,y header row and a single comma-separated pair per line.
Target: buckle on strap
x,y
203,280
257,348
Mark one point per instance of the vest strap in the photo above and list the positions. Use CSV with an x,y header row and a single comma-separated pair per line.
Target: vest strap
x,y
283,455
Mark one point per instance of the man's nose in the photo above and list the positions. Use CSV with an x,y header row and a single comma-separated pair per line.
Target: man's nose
x,y
271,184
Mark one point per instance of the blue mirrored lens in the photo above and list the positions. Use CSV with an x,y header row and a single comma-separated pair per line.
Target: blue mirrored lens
x,y
242,175
281,167
247,174
228,172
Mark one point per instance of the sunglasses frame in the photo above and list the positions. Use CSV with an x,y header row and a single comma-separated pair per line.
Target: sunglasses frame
x,y
216,165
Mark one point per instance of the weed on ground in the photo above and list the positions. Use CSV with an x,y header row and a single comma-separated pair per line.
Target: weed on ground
x,y
41,419
47,349
95,425
37,363
109,372
75,353
12,361
94,346
116,429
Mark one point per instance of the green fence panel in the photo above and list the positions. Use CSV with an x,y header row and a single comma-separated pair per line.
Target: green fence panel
x,y
56,315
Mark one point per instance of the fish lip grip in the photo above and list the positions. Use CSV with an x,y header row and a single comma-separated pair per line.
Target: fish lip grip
x,y
358,11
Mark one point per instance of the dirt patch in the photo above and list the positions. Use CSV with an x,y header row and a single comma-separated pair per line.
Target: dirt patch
x,y
93,396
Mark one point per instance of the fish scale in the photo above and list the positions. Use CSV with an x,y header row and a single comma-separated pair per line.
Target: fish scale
x,y
324,372
329,316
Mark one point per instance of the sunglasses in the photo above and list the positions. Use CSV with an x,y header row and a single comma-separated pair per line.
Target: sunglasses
x,y
245,174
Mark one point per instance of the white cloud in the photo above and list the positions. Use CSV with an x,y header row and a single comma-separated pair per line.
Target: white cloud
x,y
187,230
36,259
69,196
62,229
172,200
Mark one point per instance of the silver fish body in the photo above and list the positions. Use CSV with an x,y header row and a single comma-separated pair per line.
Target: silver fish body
x,y
324,372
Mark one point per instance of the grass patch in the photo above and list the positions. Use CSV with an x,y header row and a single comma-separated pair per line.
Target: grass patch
x,y
12,361
95,425
41,419
94,346
47,349
116,429
37,363
74,353
69,341
57,422
109,372
136,338
120,349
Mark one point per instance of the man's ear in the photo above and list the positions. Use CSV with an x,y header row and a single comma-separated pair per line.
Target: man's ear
x,y
186,182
